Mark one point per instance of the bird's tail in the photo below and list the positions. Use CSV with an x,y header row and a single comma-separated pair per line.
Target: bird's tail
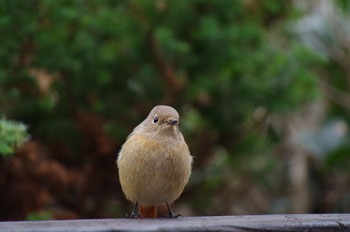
x,y
148,211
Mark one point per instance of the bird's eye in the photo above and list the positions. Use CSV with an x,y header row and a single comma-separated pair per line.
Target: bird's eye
x,y
155,119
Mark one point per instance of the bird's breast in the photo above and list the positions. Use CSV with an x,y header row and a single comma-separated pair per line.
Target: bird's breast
x,y
150,168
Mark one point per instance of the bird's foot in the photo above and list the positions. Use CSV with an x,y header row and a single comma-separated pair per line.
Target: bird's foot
x,y
134,212
134,215
170,213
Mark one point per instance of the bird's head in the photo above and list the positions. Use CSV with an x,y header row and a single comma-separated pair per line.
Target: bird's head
x,y
161,121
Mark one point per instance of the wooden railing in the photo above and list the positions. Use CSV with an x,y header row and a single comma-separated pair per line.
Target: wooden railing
x,y
290,222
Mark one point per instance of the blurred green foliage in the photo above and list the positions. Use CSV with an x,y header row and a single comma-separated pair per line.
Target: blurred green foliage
x,y
39,216
108,56
79,71
12,136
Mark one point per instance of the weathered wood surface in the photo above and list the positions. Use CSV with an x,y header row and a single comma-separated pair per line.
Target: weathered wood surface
x,y
291,222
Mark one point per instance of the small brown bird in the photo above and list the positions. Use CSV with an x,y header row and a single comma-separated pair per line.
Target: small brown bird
x,y
154,163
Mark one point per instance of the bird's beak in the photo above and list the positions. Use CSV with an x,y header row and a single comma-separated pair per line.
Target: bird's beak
x,y
173,121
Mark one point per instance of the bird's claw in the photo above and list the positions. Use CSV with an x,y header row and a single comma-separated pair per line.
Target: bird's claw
x,y
172,215
135,215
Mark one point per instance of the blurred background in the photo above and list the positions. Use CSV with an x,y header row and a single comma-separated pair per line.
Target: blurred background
x,y
262,87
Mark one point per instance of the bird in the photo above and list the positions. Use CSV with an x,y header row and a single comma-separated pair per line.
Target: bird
x,y
154,164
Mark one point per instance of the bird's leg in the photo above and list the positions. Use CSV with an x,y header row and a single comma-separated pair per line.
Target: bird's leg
x,y
134,212
171,213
